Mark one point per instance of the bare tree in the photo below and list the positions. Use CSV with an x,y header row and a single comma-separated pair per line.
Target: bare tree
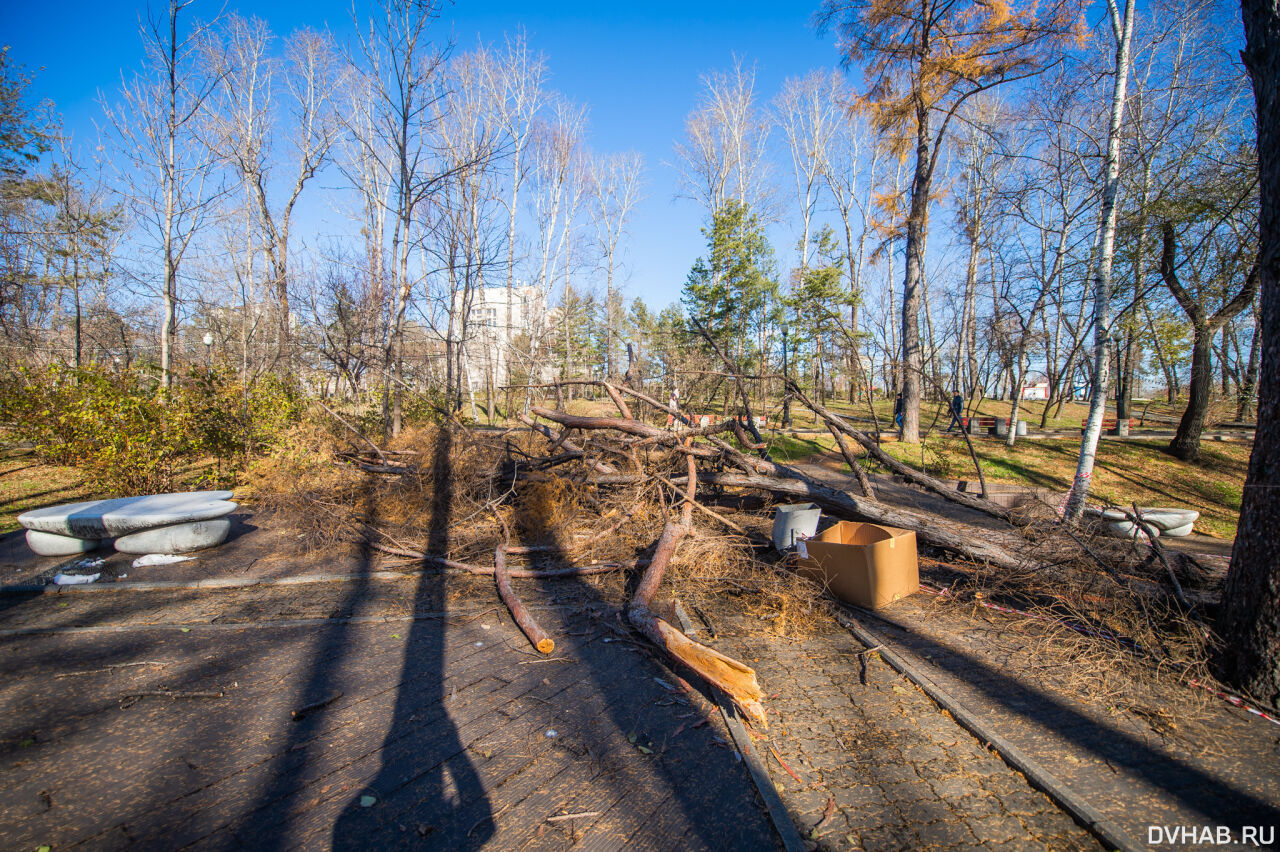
x,y
924,61
464,232
245,121
521,78
850,169
726,136
1122,32
169,176
615,189
809,118
401,68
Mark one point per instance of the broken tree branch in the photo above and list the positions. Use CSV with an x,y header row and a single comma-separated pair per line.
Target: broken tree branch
x,y
617,400
502,579
357,432
863,481
736,679
563,441
737,380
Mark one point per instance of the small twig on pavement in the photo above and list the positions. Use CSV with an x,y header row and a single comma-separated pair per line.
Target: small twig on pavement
x,y
302,712
133,698
582,815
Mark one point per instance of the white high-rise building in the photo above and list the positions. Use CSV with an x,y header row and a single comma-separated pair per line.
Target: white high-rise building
x,y
491,339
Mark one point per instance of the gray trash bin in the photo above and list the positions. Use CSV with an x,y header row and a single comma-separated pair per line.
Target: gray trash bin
x,y
794,521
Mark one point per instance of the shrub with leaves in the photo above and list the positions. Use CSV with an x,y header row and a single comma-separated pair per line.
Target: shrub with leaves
x,y
131,437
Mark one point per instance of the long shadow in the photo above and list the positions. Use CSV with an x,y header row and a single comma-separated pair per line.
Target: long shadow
x,y
1215,801
267,824
415,757
714,804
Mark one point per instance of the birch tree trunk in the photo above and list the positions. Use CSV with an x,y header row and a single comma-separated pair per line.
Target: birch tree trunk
x,y
1123,32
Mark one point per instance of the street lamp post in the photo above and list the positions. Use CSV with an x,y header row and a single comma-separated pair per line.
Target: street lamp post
x,y
208,352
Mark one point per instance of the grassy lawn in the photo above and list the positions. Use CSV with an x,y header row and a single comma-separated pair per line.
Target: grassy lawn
x,y
26,483
1125,472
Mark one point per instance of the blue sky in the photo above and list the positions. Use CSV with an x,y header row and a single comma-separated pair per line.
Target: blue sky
x,y
636,66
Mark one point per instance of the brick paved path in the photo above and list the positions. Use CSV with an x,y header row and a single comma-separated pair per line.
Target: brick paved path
x,y
443,724
901,772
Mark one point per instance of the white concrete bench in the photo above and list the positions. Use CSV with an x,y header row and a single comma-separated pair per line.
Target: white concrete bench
x,y
157,523
1165,522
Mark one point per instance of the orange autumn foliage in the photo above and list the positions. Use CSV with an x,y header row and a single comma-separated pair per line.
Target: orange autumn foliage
x,y
922,55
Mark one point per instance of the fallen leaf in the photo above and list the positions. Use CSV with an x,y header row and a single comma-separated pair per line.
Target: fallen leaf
x,y
644,750
395,635
368,801
900,690
186,630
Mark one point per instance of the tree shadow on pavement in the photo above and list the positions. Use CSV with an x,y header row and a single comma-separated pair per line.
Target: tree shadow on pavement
x,y
1198,794
410,802
668,785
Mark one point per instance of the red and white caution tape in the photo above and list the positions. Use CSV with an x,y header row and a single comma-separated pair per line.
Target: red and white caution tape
x,y
1235,701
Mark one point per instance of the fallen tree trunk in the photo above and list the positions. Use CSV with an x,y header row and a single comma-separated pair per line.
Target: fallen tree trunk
x,y
844,503
597,466
640,429
925,481
863,482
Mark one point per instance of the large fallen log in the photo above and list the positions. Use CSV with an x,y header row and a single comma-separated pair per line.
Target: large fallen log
x,y
780,478
909,473
975,548
863,482
597,466
640,429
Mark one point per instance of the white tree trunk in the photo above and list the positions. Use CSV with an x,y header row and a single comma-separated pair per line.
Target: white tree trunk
x,y
1123,32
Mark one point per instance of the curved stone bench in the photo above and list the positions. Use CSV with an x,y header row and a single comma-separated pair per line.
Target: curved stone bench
x,y
1164,522
156,523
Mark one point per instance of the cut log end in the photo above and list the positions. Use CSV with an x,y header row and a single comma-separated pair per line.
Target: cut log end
x,y
736,679
546,646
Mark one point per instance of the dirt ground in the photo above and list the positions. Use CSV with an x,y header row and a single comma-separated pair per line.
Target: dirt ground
x,y
163,719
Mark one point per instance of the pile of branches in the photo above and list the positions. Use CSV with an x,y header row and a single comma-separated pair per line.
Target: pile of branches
x,y
1136,591
629,490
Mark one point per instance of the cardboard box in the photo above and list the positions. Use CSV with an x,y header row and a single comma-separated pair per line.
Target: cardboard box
x,y
868,565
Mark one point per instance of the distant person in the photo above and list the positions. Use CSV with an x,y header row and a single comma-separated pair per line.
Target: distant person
x,y
957,409
897,411
674,404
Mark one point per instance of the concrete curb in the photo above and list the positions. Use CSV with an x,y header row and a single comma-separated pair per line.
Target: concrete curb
x,y
215,583
269,624
1111,835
